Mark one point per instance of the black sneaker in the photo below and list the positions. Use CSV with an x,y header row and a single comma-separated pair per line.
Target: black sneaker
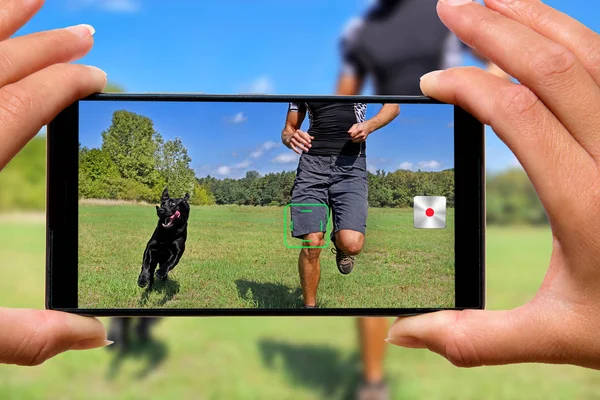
x,y
345,263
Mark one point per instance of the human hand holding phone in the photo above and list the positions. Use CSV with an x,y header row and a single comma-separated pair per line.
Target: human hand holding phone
x,y
36,83
551,122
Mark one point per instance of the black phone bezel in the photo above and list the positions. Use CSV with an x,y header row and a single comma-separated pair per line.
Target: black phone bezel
x,y
62,209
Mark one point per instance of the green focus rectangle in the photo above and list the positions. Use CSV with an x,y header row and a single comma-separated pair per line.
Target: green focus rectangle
x,y
291,228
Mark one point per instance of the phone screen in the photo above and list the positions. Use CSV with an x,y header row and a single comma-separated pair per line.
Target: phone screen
x,y
265,205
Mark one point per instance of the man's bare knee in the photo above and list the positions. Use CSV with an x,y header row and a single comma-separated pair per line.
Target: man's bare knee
x,y
313,240
350,244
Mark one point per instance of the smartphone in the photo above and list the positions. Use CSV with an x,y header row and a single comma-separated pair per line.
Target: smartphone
x,y
231,205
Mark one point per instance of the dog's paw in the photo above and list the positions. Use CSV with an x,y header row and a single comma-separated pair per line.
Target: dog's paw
x,y
143,280
163,275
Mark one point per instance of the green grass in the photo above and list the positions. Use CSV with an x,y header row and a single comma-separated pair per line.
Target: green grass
x,y
236,258
284,358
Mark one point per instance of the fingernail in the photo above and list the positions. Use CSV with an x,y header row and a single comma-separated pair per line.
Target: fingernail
x,y
431,74
97,70
84,31
407,341
456,2
88,344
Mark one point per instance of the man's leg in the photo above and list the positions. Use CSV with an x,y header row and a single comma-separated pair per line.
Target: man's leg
x,y
372,332
309,268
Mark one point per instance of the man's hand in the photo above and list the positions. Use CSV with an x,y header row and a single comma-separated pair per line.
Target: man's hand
x,y
551,121
36,83
298,141
359,132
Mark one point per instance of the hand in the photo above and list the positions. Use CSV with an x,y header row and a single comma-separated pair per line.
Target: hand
x,y
300,141
551,121
36,83
360,132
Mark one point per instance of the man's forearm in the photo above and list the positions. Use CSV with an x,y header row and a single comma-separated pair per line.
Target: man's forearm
x,y
386,115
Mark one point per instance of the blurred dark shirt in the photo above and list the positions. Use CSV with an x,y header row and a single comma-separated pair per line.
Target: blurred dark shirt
x,y
397,42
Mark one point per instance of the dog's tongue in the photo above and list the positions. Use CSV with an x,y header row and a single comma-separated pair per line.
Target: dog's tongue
x,y
176,215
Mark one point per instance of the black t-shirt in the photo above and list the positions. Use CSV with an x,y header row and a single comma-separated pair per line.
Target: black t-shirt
x,y
396,43
329,125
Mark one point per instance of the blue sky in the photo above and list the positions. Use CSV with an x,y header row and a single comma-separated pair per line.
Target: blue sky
x,y
232,46
228,139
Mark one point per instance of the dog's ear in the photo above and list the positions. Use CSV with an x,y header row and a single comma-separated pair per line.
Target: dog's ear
x,y
187,196
165,194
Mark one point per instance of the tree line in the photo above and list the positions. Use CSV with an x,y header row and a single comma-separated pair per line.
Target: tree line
x,y
394,189
135,163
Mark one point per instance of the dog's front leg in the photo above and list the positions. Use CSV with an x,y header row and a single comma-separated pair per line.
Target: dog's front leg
x,y
164,269
148,266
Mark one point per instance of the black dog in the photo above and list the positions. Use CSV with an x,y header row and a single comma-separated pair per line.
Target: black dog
x,y
167,244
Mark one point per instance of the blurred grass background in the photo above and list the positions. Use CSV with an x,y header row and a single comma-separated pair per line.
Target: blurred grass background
x,y
285,358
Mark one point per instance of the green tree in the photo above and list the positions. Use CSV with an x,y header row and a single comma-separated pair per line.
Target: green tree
x,y
173,163
132,144
99,176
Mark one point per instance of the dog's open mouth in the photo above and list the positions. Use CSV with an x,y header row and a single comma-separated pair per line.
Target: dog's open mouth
x,y
169,221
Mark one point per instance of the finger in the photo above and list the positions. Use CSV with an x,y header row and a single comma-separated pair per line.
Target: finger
x,y
549,69
556,26
522,122
305,136
472,338
296,150
31,103
15,14
301,139
30,337
297,144
22,56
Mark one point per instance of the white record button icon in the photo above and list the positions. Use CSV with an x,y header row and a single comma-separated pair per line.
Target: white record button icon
x,y
430,212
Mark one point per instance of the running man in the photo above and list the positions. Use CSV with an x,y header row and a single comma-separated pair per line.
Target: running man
x,y
332,171
393,44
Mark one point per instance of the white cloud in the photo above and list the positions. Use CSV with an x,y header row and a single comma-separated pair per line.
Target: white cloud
x,y
286,158
117,6
238,118
229,169
266,146
371,168
224,170
432,164
406,165
262,84
241,165
234,154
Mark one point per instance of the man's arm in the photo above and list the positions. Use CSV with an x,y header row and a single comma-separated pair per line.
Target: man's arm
x,y
359,132
292,136
349,84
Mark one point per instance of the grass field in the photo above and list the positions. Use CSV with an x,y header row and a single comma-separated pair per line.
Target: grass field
x,y
283,358
236,258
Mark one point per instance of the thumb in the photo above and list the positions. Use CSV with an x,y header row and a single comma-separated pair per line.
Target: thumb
x,y
30,337
472,338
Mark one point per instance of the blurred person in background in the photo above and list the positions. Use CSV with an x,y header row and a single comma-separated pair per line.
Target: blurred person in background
x,y
121,329
393,45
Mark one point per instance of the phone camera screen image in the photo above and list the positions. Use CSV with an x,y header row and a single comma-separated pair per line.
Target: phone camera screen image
x,y
266,205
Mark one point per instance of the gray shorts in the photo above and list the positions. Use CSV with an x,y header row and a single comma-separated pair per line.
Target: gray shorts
x,y
340,183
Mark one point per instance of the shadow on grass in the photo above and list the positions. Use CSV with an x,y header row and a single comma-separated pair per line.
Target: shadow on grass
x,y
168,288
139,346
320,367
269,295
